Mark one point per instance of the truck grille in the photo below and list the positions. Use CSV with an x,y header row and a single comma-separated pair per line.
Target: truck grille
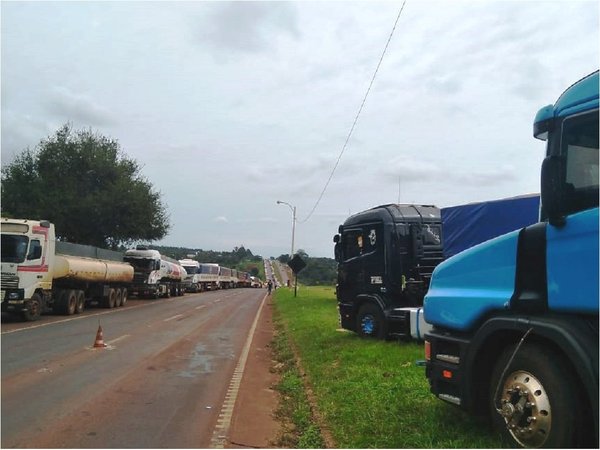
x,y
9,281
139,278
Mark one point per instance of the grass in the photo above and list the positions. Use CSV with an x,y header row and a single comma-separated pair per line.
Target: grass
x,y
370,394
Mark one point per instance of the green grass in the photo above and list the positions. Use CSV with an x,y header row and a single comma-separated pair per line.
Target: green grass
x,y
370,393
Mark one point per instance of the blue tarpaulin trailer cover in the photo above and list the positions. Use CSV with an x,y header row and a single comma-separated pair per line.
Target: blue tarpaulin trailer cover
x,y
467,225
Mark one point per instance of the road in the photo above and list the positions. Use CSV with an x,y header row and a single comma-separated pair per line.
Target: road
x,y
167,378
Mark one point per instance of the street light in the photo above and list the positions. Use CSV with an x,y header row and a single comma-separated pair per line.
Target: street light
x,y
293,208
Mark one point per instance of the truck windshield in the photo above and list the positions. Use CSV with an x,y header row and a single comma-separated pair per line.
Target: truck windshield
x,y
14,248
191,270
141,263
580,146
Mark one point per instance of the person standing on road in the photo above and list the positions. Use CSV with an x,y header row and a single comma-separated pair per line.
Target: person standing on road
x,y
269,286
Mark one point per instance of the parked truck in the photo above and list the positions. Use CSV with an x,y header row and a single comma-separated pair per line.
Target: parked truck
x,y
385,258
155,275
192,282
40,274
515,319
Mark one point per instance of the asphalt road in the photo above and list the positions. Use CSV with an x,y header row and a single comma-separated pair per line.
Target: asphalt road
x,y
164,381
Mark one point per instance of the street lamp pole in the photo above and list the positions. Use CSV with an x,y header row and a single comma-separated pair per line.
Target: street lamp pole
x,y
293,209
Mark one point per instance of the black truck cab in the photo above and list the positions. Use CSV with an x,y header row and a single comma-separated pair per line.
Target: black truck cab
x,y
385,259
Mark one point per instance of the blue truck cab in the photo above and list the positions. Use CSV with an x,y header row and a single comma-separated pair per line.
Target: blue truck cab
x,y
515,319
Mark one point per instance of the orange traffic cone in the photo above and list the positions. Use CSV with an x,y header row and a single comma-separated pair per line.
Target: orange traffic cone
x,y
99,343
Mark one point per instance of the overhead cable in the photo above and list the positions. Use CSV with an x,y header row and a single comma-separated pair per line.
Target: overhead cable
x,y
356,118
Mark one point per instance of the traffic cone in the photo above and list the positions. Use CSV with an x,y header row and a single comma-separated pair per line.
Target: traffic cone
x,y
99,343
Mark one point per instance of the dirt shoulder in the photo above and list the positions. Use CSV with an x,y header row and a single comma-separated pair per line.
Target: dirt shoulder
x,y
253,424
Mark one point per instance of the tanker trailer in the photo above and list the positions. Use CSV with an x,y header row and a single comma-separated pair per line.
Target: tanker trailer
x,y
40,274
155,275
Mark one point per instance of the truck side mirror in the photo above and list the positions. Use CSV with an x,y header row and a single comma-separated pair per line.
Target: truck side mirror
x,y
552,192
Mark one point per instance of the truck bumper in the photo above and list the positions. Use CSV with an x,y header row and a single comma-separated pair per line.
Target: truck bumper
x,y
347,316
446,356
13,300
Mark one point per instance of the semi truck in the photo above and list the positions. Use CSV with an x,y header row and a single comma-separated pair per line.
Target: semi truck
x,y
40,274
515,319
209,276
155,275
192,282
385,258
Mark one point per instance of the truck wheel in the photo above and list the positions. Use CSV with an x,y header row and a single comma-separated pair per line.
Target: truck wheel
x,y
118,298
80,306
370,322
123,296
109,302
34,310
537,400
71,302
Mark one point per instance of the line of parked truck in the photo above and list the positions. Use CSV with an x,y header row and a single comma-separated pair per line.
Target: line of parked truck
x,y
505,294
40,274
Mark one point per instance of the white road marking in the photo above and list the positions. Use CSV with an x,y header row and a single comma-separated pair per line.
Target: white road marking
x,y
177,316
224,420
120,338
200,307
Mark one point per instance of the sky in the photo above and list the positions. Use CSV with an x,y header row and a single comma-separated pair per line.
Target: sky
x,y
232,106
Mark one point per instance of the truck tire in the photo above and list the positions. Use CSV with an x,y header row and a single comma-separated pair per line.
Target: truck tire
x,y
80,306
123,296
538,399
118,298
34,311
370,322
71,302
109,301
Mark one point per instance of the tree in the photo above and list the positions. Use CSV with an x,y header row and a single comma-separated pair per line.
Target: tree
x,y
83,183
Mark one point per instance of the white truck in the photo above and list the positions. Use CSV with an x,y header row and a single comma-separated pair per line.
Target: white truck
x,y
193,281
209,276
155,275
40,274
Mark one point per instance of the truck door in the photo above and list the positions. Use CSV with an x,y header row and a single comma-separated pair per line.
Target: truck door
x,y
350,272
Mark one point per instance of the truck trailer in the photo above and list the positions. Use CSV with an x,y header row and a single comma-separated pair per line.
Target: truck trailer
x,y
385,258
515,319
40,274
464,226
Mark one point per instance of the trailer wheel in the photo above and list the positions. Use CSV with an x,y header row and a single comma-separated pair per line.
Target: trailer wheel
x,y
109,302
34,311
118,298
71,302
370,321
123,296
80,305
537,399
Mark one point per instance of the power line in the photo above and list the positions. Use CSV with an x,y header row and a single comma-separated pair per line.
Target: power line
x,y
356,118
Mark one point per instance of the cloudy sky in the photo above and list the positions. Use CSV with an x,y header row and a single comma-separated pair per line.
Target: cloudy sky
x,y
231,106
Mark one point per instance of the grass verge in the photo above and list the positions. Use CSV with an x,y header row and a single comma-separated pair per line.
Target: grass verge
x,y
369,394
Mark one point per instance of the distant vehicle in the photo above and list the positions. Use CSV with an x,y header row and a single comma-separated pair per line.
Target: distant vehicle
x,y
40,274
209,276
515,319
255,282
155,275
192,282
385,259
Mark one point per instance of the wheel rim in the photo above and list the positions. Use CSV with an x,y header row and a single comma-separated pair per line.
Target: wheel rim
x,y
525,407
368,324
35,308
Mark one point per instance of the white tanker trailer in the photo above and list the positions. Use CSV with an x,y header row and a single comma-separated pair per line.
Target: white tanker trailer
x,y
41,275
155,275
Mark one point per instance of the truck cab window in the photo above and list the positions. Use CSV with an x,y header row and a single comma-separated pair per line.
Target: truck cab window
x,y
352,244
35,250
580,147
